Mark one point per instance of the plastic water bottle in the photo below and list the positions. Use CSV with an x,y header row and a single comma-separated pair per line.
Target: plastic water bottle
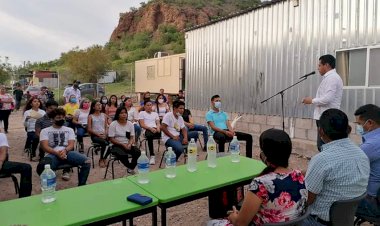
x,y
143,168
170,163
235,150
192,156
48,183
211,152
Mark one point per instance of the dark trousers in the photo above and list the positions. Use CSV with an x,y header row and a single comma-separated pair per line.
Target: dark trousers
x,y
4,116
18,104
103,145
221,139
32,142
150,137
26,175
319,140
122,154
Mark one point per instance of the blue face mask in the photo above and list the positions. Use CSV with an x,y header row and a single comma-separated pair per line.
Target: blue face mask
x,y
360,129
218,104
73,100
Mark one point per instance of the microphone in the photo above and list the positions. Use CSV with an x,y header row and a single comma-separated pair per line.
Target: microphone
x,y
307,75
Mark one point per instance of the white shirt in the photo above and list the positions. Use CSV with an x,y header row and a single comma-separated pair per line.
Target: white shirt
x,y
119,131
133,114
149,118
329,93
174,125
3,140
71,91
58,139
30,124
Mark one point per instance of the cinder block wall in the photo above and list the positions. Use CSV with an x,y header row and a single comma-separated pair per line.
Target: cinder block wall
x,y
302,131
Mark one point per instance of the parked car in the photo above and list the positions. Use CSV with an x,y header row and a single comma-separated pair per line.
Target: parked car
x,y
92,89
33,90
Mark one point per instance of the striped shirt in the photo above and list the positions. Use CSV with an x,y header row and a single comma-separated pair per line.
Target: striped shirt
x,y
44,122
339,172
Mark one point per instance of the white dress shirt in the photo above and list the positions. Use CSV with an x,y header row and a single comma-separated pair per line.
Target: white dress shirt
x,y
71,91
329,93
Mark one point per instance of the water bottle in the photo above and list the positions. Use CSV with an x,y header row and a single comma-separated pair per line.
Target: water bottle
x,y
192,156
143,168
170,163
48,183
211,152
235,150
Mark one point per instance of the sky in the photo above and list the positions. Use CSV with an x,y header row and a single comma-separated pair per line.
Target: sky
x,y
40,30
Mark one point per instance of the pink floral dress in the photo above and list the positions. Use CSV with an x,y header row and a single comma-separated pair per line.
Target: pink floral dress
x,y
284,197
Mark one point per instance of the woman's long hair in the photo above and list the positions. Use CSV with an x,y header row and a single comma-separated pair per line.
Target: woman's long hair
x,y
277,147
28,105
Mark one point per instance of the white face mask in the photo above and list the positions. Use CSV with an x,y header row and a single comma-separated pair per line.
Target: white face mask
x,y
160,101
104,101
218,104
360,129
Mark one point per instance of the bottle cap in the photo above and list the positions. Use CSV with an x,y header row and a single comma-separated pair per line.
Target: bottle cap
x,y
170,149
143,153
47,166
192,140
235,137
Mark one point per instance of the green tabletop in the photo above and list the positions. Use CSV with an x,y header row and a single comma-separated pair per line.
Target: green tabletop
x,y
204,179
75,206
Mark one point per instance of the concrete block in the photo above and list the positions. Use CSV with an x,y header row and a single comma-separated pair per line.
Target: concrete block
x,y
304,123
274,120
265,127
312,134
254,128
260,119
242,127
305,148
300,133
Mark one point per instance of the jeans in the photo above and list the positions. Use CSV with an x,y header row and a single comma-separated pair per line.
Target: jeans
x,y
26,175
81,131
32,141
103,145
122,154
18,104
73,158
177,144
204,129
150,137
137,131
221,139
369,207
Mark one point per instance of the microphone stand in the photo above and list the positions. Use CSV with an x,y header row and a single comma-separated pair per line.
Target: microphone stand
x,y
282,99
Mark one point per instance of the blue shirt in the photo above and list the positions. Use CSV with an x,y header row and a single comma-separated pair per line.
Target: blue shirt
x,y
371,147
219,118
339,172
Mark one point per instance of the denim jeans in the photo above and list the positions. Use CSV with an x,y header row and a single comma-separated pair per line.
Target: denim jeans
x,y
32,142
25,170
202,128
137,131
73,158
81,131
177,144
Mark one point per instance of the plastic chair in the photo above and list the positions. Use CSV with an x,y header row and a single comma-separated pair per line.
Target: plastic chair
x,y
342,212
296,222
14,179
93,148
112,160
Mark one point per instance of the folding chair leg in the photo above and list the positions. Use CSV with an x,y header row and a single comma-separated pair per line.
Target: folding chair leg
x,y
113,170
105,174
162,158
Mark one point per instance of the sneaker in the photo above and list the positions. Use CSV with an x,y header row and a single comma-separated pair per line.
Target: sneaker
x,y
152,160
65,176
131,171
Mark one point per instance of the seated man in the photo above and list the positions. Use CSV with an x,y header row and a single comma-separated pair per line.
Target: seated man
x,y
339,172
150,121
15,167
58,141
191,126
175,134
368,120
221,128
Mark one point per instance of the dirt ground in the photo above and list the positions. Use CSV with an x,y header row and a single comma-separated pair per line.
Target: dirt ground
x,y
192,213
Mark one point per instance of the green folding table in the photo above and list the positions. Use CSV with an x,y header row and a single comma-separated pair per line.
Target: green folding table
x,y
100,203
189,186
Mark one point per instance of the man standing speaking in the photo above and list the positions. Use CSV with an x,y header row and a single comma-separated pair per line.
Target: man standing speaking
x,y
329,93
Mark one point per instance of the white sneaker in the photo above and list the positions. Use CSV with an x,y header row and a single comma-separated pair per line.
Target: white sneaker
x,y
152,160
65,176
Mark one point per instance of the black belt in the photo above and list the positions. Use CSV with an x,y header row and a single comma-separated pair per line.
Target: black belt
x,y
319,220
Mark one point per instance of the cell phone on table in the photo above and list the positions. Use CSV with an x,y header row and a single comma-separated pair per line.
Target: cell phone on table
x,y
139,199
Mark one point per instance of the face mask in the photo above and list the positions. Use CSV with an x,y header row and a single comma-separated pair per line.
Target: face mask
x,y
178,114
73,100
360,129
104,101
218,104
160,101
86,105
59,122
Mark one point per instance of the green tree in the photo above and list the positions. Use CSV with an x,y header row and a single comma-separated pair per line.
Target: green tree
x,y
5,70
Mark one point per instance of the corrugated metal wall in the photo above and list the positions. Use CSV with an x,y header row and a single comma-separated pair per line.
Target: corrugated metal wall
x,y
250,57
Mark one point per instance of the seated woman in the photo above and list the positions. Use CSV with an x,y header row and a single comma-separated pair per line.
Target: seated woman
x,y
279,193
133,116
122,135
80,121
33,111
111,108
70,108
160,106
97,128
